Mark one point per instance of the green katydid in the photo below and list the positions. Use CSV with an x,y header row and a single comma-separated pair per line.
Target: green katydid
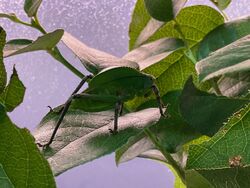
x,y
116,82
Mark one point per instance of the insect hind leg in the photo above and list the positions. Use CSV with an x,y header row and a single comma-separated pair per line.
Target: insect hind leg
x,y
118,112
158,98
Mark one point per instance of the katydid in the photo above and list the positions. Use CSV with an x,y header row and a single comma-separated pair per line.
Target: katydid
x,y
110,88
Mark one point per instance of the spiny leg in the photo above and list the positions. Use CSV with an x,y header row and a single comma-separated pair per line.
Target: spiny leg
x,y
118,110
64,111
158,98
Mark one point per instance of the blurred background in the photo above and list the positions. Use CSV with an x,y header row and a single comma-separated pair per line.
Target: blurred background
x,y
102,24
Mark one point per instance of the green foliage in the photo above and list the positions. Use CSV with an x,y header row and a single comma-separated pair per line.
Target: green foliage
x,y
45,42
20,158
224,159
31,7
168,44
13,94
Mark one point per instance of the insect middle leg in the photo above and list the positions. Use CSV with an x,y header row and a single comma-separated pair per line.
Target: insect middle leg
x,y
118,112
158,98
64,111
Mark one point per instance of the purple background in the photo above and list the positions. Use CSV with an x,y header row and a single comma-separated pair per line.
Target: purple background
x,y
102,24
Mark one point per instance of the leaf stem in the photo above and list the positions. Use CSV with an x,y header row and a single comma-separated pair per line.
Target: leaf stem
x,y
169,158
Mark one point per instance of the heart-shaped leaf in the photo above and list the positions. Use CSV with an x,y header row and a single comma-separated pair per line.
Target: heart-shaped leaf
x,y
233,58
31,7
14,92
94,60
224,159
45,42
206,112
85,136
20,157
3,74
223,35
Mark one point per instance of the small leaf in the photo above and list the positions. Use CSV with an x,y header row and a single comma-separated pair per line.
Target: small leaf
x,y
153,52
161,10
84,136
94,60
31,7
233,58
14,93
4,180
224,159
221,4
224,35
45,42
20,157
206,112
3,74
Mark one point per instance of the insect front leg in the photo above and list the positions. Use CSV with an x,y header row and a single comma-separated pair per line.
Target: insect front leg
x,y
118,111
158,98
64,111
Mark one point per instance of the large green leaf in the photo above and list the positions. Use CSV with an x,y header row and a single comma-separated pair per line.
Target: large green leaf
x,y
172,132
233,58
84,136
20,157
3,74
4,180
31,7
161,10
153,52
142,26
221,4
93,59
14,92
224,35
45,42
224,159
206,112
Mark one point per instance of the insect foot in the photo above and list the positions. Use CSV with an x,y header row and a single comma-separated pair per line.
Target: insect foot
x,y
43,146
113,132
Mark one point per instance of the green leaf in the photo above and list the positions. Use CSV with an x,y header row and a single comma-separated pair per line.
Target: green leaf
x,y
45,42
206,112
151,53
84,136
221,4
4,180
223,35
177,182
171,132
3,74
20,157
194,180
14,92
94,60
161,10
235,85
224,159
233,58
142,26
31,7
195,22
